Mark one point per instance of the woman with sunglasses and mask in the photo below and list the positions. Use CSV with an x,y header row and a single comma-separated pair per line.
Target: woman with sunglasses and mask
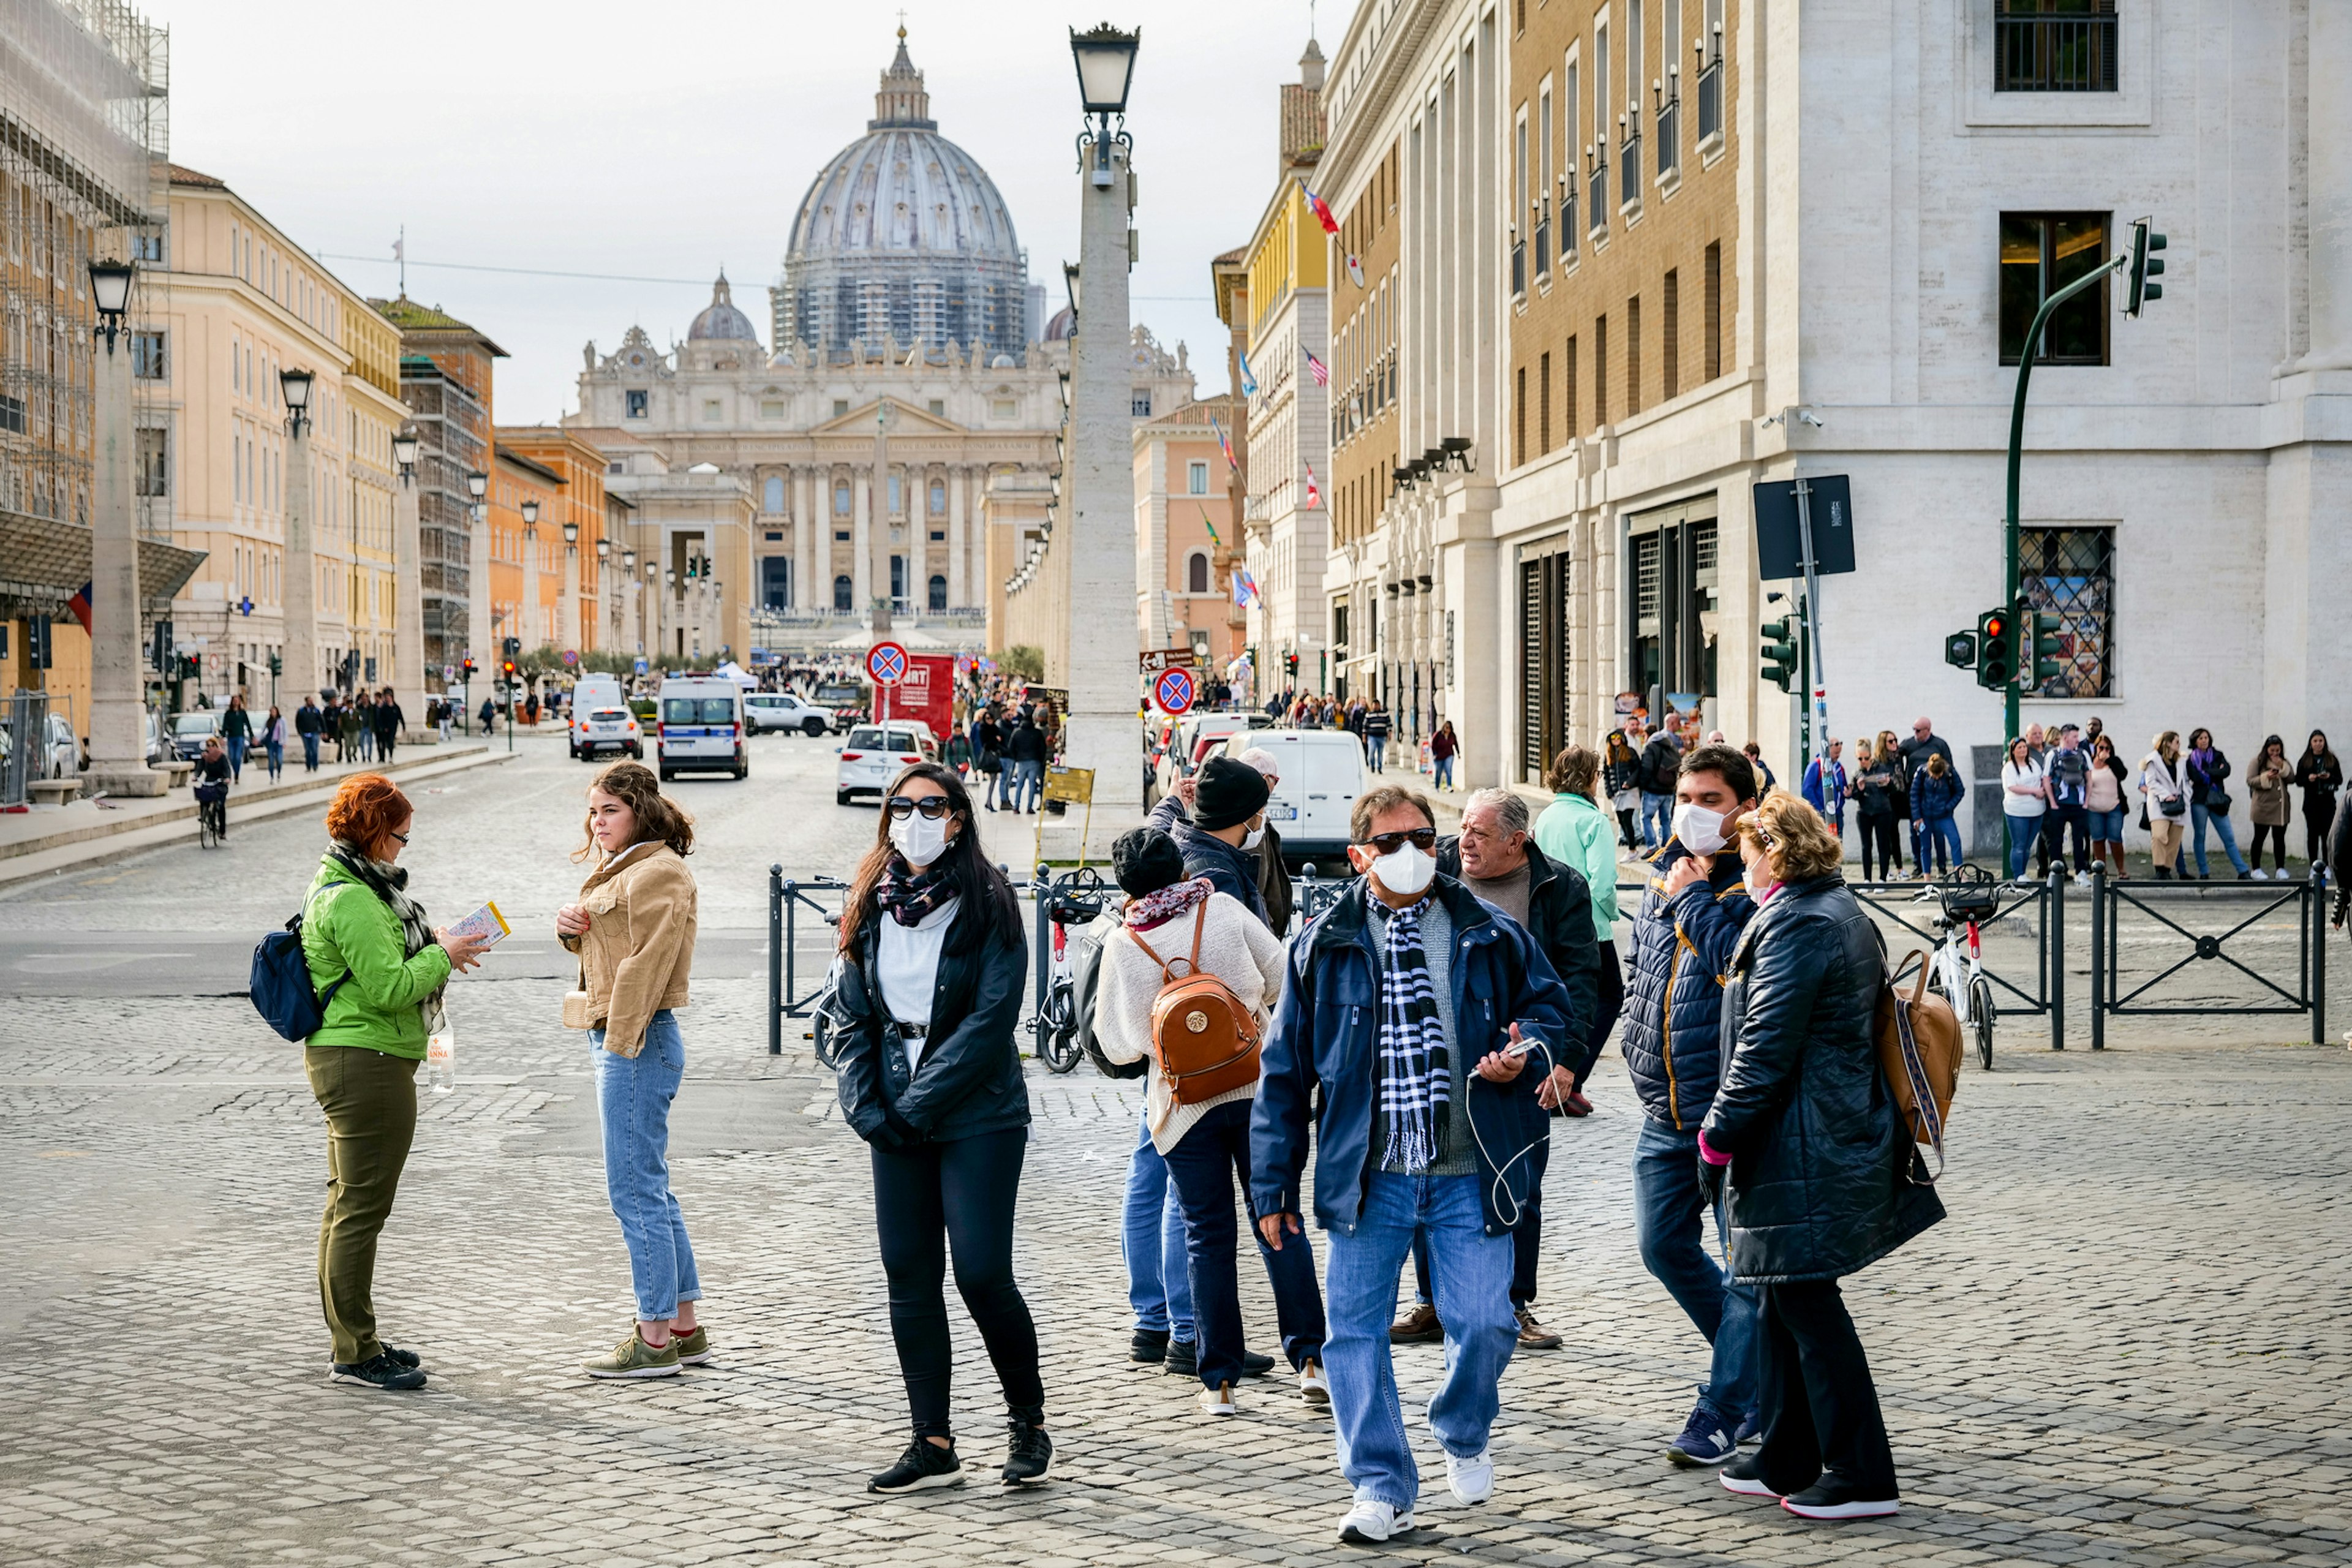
x,y
929,992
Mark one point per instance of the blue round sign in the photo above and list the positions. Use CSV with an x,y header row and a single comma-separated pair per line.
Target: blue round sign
x,y
1173,691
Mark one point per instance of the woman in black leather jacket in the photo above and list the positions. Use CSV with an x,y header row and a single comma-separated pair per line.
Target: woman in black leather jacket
x,y
928,993
1823,1180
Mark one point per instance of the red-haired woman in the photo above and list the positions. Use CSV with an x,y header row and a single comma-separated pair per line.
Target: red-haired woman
x,y
379,968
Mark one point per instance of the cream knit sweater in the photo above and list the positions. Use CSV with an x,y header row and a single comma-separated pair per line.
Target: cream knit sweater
x,y
1236,946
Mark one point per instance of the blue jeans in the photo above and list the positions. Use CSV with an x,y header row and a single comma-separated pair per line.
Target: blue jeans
x,y
2199,817
1152,1239
1658,819
1442,773
2106,827
2024,832
633,1099
277,757
1024,782
1669,1225
1472,1271
1203,1167
237,760
1380,754
1939,833
310,752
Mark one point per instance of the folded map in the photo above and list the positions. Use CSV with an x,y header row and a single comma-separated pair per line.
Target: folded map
x,y
486,923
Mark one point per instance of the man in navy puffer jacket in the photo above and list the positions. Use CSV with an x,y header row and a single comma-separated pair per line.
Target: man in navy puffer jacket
x,y
1690,921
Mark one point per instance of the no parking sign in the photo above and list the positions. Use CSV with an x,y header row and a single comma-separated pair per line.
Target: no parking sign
x,y
1173,691
886,663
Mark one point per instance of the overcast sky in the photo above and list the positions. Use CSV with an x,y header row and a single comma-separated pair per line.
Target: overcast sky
x,y
665,141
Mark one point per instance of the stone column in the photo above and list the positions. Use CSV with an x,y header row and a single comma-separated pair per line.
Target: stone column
x,y
2329,187
407,673
301,584
808,593
1099,537
861,548
116,720
958,589
878,570
567,634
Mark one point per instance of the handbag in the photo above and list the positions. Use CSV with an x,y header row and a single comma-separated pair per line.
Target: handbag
x,y
1919,1050
2173,805
2217,801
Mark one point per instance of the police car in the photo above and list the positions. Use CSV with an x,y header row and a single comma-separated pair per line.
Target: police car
x,y
700,728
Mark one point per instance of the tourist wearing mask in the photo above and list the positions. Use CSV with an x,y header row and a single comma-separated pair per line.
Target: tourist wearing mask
x,y
1221,837
1817,1172
2209,802
2103,805
379,968
932,968
2319,775
1273,871
1573,831
1173,926
633,928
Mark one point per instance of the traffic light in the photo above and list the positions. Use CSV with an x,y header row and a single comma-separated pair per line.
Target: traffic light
x,y
2144,267
507,669
1996,649
1960,650
513,650
1290,660
276,665
1780,638
470,667
2042,629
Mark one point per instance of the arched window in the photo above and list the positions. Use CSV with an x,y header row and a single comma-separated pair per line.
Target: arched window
x,y
841,498
938,496
775,501
938,593
841,592
1196,574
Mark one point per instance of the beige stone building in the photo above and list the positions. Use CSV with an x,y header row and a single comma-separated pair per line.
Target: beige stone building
x,y
1185,536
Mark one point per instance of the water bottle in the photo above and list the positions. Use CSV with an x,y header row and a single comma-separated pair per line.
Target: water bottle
x,y
441,1054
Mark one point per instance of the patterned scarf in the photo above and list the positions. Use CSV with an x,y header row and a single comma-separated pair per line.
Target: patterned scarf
x,y
1414,1072
390,883
910,896
1159,908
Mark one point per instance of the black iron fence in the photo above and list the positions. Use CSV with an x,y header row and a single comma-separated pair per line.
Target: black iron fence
x,y
803,916
2198,949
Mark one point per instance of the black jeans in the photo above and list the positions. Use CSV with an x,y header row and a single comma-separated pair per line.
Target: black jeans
x,y
1817,1404
1878,836
1625,827
2057,823
2316,820
1204,1165
2277,830
956,1197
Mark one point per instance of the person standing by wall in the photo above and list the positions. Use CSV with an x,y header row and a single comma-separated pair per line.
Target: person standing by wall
x,y
1805,1209
1442,747
1375,732
2266,803
1936,792
2164,796
2066,767
2209,802
633,928
2319,775
933,966
1923,744
1620,781
2102,804
1824,786
1877,791
308,723
2025,791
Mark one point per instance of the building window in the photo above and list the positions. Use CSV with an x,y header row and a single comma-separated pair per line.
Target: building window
x,y
897,504
1139,403
938,407
841,536
898,579
1543,404
1670,364
938,588
841,498
776,582
2070,573
774,498
1710,77
771,408
841,593
1712,310
1567,425
938,536
153,476
1004,408
1543,662
938,496
637,404
1519,417
1671,648
1600,370
1196,572
711,411
1633,356
2040,254
2053,46
1196,478
147,356
1521,218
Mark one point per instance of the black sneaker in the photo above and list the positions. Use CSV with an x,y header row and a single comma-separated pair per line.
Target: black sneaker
x,y
1182,1359
405,1358
924,1464
1028,1452
1746,1477
1255,1365
1150,1346
1833,1497
379,1370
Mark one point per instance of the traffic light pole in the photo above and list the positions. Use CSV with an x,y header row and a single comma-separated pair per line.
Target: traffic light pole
x,y
1817,686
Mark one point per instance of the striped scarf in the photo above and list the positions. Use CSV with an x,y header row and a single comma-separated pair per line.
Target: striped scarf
x,y
1414,1073
390,883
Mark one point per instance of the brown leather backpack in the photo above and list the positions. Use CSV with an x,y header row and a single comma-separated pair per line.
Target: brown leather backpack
x,y
1919,1050
1203,1039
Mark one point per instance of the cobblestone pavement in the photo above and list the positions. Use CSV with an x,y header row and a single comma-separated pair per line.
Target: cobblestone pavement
x,y
2128,1346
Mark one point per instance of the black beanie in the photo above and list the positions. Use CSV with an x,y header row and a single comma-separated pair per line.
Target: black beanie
x,y
1230,791
1145,860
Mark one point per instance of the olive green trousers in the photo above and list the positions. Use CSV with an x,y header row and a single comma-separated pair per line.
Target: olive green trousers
x,y
370,1099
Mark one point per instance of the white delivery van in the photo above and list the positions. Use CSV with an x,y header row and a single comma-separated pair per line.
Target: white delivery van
x,y
592,694
700,727
1322,773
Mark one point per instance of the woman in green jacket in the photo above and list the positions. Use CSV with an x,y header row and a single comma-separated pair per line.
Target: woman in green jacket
x,y
1575,831
379,969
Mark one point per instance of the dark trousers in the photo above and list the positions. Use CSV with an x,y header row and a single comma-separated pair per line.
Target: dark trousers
x,y
369,1101
2277,831
1611,1000
384,746
1817,1404
1204,1164
2316,820
1626,830
310,752
2057,823
955,1197
1880,856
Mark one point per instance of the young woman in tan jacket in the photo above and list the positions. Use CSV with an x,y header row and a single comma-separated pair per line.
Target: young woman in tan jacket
x,y
633,931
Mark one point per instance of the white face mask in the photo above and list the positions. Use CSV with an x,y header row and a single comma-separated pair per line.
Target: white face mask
x,y
1697,830
1405,870
1758,879
1255,837
918,839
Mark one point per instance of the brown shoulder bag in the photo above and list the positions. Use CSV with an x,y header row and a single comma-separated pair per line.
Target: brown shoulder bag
x,y
1205,1039
1919,1050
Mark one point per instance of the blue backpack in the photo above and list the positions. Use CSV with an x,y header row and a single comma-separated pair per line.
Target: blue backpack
x,y
281,984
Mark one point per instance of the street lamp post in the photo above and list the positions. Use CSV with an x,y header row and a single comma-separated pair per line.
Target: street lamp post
x,y
631,591
608,608
534,633
408,593
299,589
1101,732
478,630
567,619
117,718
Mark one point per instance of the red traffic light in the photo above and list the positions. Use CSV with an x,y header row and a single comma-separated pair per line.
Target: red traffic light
x,y
1996,624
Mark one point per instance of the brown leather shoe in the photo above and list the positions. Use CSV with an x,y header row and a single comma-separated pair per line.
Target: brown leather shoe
x,y
1534,1336
1417,1326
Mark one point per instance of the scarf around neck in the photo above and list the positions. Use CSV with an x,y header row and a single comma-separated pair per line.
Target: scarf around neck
x,y
390,883
1415,1076
911,896
1158,907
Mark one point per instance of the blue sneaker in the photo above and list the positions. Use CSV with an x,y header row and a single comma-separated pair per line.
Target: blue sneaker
x,y
1705,1440
1749,1430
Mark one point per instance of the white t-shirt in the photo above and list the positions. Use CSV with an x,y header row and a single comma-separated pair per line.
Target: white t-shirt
x,y
2031,776
906,964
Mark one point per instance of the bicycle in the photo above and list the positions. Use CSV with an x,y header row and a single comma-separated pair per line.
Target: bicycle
x,y
212,817
1076,899
1970,899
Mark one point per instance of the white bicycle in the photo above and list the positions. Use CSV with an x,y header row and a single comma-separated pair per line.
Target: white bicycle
x,y
1969,900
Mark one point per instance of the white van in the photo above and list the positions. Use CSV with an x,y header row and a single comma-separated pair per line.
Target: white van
x,y
593,694
1322,773
700,727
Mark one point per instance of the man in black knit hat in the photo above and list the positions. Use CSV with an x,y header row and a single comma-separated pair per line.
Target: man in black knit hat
x,y
1220,840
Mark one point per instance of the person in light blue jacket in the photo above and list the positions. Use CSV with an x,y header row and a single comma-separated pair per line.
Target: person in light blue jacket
x,y
1576,830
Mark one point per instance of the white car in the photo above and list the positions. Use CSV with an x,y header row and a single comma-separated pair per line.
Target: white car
x,y
701,727
765,711
875,753
599,730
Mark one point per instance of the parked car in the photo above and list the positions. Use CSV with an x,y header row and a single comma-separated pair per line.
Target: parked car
x,y
765,711
58,757
1322,773
608,728
1189,742
873,755
156,749
701,727
190,731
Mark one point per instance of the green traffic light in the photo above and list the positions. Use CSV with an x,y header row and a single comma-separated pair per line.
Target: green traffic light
x,y
1780,651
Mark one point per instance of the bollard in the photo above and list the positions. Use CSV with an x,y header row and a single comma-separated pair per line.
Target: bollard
x,y
2102,937
2054,956
776,981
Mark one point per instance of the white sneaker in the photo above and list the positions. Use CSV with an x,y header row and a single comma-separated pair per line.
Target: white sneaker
x,y
2260,875
2082,878
1472,1480
1218,1401
1370,1521
1314,1388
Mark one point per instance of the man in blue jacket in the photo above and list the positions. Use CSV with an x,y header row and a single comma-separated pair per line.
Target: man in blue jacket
x,y
1402,1003
1691,917
1220,838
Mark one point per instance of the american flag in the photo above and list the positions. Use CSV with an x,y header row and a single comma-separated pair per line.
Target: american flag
x,y
1317,368
1314,496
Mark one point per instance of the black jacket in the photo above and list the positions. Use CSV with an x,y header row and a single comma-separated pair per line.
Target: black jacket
x,y
1819,1182
388,718
968,1079
1673,995
1274,882
1025,744
1230,869
306,720
1559,919
1662,765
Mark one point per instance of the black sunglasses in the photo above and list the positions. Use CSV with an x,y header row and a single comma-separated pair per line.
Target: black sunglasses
x,y
1422,838
932,807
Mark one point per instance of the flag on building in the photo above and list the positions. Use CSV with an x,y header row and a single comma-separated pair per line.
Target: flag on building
x,y
1249,382
1314,496
1316,367
1315,204
1209,526
80,606
1223,444
1246,592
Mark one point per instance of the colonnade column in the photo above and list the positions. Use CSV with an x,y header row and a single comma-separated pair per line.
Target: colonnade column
x,y
861,554
957,533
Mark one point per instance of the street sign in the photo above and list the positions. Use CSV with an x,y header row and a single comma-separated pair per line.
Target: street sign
x,y
886,663
1161,659
1173,691
449,673
1777,552
570,657
642,666
1072,786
